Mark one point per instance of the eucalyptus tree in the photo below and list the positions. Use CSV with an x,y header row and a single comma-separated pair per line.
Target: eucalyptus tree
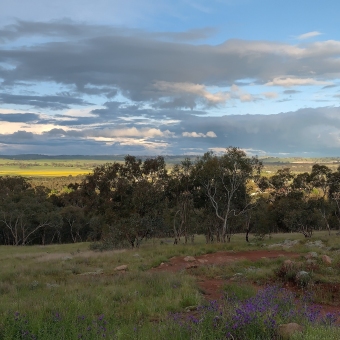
x,y
224,180
128,196
180,195
26,215
320,179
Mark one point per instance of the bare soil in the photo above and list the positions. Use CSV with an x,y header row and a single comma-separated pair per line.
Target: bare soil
x,y
212,288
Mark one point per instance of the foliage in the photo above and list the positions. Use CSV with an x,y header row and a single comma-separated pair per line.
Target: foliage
x,y
224,180
131,200
256,317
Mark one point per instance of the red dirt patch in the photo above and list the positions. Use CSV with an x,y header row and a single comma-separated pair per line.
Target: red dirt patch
x,y
212,288
176,264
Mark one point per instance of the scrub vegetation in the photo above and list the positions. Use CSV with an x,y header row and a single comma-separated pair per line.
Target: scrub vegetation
x,y
91,243
69,292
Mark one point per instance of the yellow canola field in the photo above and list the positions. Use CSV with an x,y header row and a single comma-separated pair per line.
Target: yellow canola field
x,y
43,172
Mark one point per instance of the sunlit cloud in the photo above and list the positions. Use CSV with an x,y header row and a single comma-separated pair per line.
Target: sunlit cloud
x,y
290,81
308,35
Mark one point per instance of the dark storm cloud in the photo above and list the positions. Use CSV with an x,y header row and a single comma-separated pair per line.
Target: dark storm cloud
x,y
19,117
44,102
20,136
57,143
306,131
134,65
167,83
63,133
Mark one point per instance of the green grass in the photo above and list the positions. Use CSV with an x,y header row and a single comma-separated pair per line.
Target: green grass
x,y
73,281
318,333
240,291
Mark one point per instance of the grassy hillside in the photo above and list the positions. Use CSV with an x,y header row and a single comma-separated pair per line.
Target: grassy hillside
x,y
70,292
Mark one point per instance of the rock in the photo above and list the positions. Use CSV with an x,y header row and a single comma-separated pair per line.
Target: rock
x,y
191,265
202,261
121,268
189,259
288,329
326,259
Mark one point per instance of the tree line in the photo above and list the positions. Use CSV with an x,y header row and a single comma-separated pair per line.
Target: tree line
x,y
121,204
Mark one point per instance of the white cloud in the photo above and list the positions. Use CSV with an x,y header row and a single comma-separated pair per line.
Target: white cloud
x,y
80,112
194,89
10,111
8,128
270,95
292,81
308,35
131,132
201,91
210,134
156,147
240,94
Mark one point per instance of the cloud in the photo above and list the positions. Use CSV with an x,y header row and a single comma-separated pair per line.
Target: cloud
x,y
190,35
303,132
131,132
290,92
290,81
91,88
19,117
270,95
238,93
209,134
51,102
142,66
197,90
308,35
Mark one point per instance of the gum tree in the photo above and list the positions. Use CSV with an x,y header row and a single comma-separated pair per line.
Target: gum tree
x,y
129,198
224,181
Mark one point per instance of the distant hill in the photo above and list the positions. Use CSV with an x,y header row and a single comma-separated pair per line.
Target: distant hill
x,y
168,158
37,157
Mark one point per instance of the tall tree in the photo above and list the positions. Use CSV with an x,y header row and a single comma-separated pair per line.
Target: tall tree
x,y
224,180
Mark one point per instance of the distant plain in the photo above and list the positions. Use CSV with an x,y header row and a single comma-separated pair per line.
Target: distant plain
x,y
80,165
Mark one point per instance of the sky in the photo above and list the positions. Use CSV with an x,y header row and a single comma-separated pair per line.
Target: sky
x,y
170,77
